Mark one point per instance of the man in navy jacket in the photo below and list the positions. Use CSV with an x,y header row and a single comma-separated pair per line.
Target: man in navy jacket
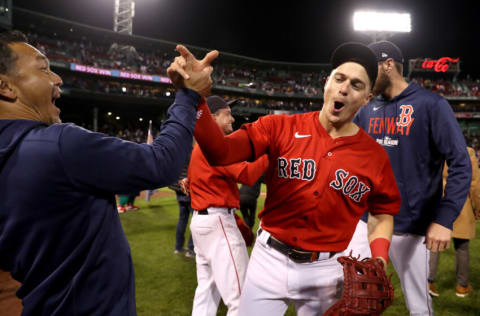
x,y
419,131
60,233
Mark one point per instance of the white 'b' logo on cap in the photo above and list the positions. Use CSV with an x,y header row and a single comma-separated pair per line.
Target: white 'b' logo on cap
x,y
384,55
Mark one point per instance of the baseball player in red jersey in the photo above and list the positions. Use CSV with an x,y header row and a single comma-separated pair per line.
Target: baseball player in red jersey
x,y
222,256
324,171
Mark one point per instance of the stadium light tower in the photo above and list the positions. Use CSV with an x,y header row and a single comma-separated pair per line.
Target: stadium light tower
x,y
123,14
124,11
381,25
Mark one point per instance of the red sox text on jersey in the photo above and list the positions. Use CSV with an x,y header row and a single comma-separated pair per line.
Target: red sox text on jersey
x,y
348,185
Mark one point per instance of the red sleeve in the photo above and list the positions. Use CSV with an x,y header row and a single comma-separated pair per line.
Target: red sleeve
x,y
386,198
248,143
261,133
247,172
217,148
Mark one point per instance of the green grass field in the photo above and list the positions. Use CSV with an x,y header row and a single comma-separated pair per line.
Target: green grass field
x,y
165,282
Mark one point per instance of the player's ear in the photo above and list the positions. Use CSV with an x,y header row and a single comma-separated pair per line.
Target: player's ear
x,y
389,65
368,98
6,91
326,80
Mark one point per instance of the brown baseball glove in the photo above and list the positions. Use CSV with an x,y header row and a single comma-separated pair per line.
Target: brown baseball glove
x,y
367,289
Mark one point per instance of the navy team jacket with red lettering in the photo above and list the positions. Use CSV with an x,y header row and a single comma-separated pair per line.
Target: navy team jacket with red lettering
x,y
60,233
419,131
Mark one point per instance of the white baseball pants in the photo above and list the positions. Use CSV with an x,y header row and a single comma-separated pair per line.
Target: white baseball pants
x,y
274,281
221,258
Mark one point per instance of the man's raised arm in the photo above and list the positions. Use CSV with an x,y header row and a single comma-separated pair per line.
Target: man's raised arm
x,y
186,71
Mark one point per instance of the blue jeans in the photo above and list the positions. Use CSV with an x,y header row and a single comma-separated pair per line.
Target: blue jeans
x,y
184,212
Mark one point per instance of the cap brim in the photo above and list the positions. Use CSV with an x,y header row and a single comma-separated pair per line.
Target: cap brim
x,y
359,53
233,102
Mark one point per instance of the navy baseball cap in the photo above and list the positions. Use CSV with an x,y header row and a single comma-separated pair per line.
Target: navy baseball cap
x,y
385,50
358,53
216,103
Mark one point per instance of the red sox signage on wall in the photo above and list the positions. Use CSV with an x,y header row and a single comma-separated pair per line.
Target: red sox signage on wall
x,y
440,65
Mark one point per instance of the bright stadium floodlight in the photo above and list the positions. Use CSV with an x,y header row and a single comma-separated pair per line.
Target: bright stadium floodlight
x,y
381,24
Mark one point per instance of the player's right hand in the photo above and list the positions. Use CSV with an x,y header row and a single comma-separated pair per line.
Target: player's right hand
x,y
189,72
185,186
438,237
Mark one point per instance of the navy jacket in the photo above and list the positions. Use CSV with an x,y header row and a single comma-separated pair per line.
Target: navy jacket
x,y
419,131
60,233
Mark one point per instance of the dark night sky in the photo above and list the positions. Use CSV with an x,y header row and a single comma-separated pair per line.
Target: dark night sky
x,y
294,31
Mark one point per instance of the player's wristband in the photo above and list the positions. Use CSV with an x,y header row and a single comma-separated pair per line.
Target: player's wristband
x,y
379,247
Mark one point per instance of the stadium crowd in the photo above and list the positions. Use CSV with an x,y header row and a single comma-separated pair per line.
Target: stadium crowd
x,y
115,87
155,62
268,79
450,88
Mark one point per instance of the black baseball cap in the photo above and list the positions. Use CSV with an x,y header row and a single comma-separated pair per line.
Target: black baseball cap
x,y
216,103
385,50
358,53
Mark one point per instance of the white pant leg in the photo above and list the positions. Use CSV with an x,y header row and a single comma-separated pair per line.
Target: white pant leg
x,y
410,259
315,286
229,264
273,281
359,244
265,289
222,263
207,297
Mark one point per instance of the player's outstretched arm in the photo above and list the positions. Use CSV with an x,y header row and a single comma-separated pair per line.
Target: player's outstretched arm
x,y
220,150
247,173
380,230
189,72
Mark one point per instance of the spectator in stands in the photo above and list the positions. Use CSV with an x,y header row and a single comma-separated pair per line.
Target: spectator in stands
x,y
61,236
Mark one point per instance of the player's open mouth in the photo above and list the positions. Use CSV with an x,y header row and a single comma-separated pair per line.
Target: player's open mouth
x,y
338,106
56,95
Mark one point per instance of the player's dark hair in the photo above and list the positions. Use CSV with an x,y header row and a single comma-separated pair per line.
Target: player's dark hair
x,y
7,56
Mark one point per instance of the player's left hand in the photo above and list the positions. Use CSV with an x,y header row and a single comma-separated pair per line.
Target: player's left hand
x,y
384,262
189,72
438,237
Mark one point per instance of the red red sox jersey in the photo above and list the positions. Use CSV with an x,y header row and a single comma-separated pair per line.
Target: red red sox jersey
x,y
318,187
217,186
